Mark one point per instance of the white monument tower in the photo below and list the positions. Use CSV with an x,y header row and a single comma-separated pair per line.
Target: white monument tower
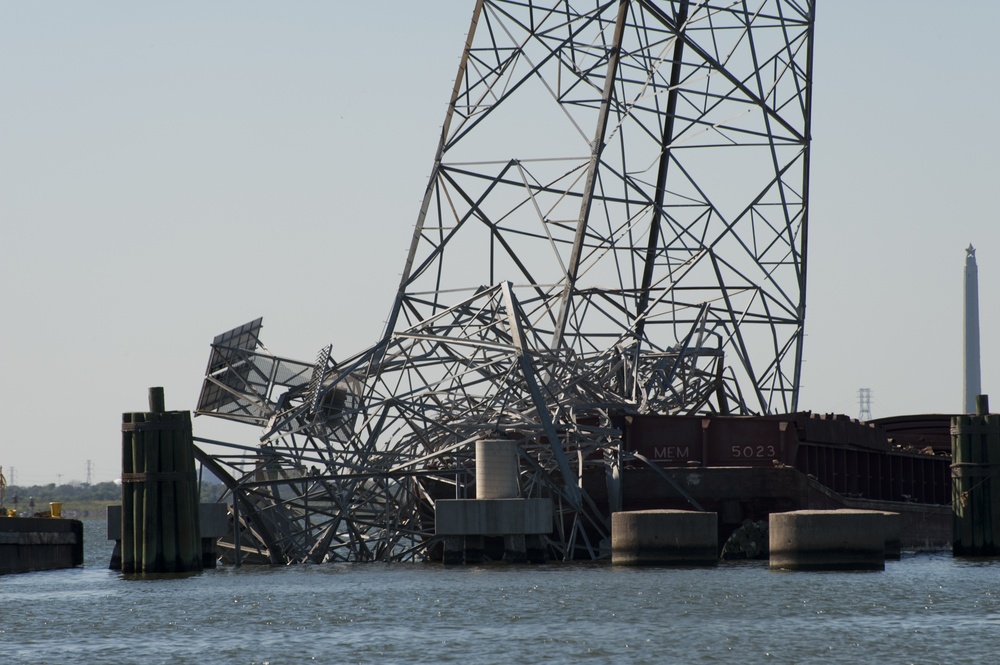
x,y
973,385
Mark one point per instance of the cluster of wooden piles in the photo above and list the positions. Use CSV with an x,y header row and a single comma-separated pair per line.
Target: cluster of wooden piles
x,y
976,482
160,514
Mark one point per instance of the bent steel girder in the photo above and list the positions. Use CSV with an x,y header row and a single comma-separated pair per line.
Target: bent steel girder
x,y
615,224
471,371
653,154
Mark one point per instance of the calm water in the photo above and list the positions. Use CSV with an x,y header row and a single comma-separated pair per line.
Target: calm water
x,y
923,609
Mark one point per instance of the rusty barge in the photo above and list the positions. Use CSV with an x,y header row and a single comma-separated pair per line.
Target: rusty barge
x,y
745,468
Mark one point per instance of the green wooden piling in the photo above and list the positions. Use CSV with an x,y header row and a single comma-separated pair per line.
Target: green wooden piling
x,y
189,539
168,496
156,401
128,500
139,489
152,554
160,522
961,452
976,482
993,462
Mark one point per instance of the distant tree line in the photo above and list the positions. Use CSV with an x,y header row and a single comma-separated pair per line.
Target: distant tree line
x,y
42,494
108,492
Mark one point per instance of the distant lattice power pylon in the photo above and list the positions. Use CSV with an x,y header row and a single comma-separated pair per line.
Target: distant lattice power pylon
x,y
615,224
864,404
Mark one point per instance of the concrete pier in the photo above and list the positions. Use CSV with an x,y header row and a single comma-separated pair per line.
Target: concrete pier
x,y
497,511
664,537
828,540
521,522
892,523
496,469
28,544
493,517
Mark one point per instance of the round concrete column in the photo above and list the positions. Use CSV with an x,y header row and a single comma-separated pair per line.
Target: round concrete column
x,y
496,469
664,537
827,540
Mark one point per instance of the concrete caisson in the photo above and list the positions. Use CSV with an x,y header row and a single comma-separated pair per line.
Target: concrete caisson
x,y
892,523
496,469
827,540
497,511
664,537
492,517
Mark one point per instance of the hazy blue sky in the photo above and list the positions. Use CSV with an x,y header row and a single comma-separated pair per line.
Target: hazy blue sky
x,y
171,170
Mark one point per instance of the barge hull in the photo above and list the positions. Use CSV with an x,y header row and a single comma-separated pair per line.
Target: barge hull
x,y
752,493
29,544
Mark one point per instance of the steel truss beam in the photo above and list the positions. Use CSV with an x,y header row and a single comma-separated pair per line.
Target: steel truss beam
x,y
615,224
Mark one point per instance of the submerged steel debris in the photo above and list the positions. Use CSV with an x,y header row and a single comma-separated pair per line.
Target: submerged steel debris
x,y
615,224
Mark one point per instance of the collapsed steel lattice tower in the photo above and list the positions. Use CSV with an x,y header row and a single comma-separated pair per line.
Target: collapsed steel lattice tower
x,y
615,224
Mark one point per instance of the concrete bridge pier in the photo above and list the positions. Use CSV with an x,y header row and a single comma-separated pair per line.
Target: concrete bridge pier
x,y
827,540
664,537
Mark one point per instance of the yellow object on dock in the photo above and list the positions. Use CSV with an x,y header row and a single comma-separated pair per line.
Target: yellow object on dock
x,y
55,509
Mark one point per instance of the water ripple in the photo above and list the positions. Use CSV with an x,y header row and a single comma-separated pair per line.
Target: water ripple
x,y
926,609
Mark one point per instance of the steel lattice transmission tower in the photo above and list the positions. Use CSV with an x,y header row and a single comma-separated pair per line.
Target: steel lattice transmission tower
x,y
864,404
615,224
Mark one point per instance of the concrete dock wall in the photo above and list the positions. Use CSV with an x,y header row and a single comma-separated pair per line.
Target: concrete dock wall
x,y
28,544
